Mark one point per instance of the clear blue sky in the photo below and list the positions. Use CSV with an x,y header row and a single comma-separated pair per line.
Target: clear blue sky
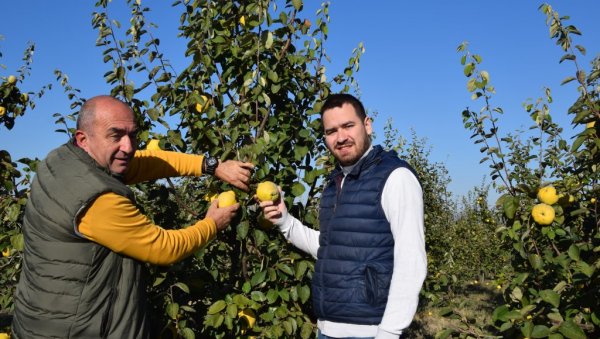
x,y
410,71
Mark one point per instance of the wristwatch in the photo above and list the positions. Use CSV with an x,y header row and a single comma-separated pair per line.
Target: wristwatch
x,y
209,165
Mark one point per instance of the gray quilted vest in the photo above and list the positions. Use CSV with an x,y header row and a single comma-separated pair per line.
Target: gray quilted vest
x,y
71,287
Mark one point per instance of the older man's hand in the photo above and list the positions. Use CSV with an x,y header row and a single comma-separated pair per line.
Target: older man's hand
x,y
236,173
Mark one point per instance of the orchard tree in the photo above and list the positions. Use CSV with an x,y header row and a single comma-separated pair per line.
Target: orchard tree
x,y
549,208
14,179
252,92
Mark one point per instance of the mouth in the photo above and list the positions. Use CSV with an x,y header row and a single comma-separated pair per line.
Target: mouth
x,y
344,146
122,160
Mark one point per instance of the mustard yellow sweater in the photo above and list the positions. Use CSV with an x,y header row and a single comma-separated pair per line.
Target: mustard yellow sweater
x,y
115,222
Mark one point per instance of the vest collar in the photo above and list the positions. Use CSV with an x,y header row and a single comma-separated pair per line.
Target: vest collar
x,y
86,158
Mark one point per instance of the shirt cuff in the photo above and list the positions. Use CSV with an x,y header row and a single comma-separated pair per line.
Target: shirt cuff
x,y
383,334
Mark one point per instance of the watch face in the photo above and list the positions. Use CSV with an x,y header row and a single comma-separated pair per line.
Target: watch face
x,y
211,161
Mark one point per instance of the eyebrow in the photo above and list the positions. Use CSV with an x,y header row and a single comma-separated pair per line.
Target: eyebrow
x,y
116,130
343,125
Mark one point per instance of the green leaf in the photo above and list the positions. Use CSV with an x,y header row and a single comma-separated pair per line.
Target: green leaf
x,y
567,57
304,293
284,294
297,4
17,241
259,237
536,261
500,312
468,70
258,296
510,206
188,333
298,189
306,331
232,310
574,252
471,86
285,269
217,307
585,268
269,40
172,310
301,269
567,80
158,281
242,229
12,212
540,331
272,296
506,326
247,287
513,315
258,277
577,143
444,311
571,330
444,334
550,297
182,287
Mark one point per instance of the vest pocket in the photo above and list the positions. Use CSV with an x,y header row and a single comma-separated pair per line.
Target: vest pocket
x,y
371,285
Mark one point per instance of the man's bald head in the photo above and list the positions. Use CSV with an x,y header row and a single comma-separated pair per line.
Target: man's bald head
x,y
92,107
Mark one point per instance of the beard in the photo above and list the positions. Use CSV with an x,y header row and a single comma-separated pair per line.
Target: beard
x,y
350,152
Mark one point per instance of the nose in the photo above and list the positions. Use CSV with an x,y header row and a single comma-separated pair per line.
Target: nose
x,y
341,136
128,145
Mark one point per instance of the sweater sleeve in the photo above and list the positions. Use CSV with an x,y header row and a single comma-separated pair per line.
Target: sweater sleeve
x,y
402,202
151,165
114,222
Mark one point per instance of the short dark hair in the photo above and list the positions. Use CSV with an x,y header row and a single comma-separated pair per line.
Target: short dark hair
x,y
338,100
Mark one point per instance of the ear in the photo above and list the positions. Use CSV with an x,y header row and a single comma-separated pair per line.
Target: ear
x,y
81,140
368,126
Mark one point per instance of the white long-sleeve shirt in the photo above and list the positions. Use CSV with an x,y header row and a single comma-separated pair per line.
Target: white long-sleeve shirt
x,y
402,202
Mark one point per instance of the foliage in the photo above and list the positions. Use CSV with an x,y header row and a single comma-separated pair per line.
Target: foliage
x,y
15,176
550,289
251,92
461,244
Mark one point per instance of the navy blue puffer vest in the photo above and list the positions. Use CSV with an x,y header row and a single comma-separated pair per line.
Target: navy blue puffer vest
x,y
356,254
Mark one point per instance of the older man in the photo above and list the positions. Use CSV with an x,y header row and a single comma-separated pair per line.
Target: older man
x,y
86,242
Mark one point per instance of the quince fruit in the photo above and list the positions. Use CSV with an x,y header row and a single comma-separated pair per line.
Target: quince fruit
x,y
267,191
201,107
2,111
548,195
543,214
11,79
153,145
226,199
249,316
211,196
243,21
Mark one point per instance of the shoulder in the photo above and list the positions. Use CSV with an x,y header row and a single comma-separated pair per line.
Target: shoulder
x,y
402,179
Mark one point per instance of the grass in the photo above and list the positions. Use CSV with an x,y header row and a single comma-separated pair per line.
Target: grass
x,y
472,307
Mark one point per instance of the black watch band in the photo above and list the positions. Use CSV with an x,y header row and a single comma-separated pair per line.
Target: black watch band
x,y
209,165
